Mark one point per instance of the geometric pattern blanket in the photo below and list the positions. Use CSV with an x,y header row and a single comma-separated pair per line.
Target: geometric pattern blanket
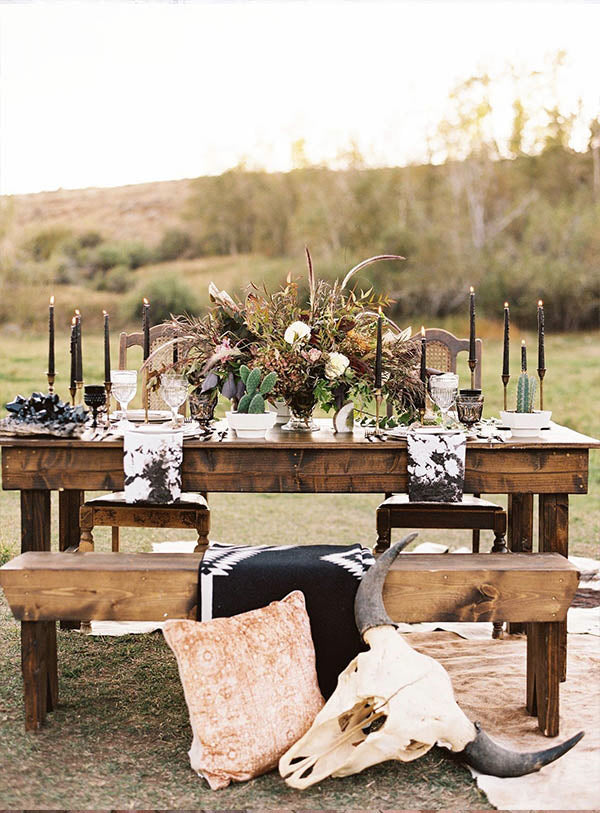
x,y
234,579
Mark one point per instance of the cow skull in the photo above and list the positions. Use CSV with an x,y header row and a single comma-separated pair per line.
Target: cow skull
x,y
392,702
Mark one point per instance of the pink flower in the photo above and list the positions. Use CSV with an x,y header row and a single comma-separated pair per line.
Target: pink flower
x,y
314,354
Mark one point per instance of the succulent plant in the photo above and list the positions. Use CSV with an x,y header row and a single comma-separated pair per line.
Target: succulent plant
x,y
253,401
526,387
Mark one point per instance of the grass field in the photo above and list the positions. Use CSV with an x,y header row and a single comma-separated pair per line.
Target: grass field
x,y
120,736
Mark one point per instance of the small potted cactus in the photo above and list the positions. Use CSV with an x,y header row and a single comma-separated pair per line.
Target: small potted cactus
x,y
251,419
525,421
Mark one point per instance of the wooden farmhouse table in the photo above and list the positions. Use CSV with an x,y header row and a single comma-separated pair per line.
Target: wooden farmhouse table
x,y
553,467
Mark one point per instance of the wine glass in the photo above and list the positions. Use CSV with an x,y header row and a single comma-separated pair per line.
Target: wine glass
x,y
124,387
444,389
174,392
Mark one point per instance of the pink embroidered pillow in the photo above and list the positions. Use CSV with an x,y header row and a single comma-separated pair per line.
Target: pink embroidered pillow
x,y
250,685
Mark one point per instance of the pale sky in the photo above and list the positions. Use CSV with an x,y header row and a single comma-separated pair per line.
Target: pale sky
x,y
110,93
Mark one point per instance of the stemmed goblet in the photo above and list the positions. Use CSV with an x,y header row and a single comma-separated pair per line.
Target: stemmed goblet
x,y
124,387
94,395
174,392
444,389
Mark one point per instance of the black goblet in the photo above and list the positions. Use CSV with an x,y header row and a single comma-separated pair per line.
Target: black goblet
x,y
94,396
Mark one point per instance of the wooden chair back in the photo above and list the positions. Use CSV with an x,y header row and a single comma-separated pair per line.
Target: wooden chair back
x,y
159,334
443,348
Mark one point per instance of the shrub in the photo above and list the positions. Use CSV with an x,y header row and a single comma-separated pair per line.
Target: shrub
x,y
108,255
118,280
138,254
167,295
42,245
173,244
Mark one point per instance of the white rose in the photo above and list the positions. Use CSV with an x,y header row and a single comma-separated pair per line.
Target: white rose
x,y
296,332
336,365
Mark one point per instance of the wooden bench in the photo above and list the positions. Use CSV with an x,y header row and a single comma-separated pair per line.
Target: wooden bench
x,y
533,588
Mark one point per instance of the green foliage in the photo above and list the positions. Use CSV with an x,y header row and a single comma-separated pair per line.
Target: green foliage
x,y
244,403
244,372
526,387
174,244
5,554
41,246
167,294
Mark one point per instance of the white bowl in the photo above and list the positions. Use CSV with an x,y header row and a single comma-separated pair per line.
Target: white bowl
x,y
526,424
249,424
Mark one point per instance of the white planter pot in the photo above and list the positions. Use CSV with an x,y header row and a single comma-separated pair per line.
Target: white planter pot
x,y
525,424
281,411
251,425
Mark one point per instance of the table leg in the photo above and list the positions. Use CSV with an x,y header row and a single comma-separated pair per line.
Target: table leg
x,y
69,503
520,536
554,537
38,638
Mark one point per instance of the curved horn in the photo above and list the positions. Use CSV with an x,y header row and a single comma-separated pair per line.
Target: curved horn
x,y
368,604
487,757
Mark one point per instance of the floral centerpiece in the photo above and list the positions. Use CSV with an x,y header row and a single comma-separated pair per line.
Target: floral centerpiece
x,y
322,347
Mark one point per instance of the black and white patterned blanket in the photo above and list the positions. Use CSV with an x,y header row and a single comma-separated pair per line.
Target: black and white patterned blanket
x,y
236,579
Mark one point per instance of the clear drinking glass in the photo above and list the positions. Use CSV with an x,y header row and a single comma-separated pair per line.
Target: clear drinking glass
x,y
444,389
174,392
124,387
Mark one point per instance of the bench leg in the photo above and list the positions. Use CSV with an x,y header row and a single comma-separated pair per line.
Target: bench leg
x,y
69,504
203,529
384,531
115,538
554,536
39,667
543,674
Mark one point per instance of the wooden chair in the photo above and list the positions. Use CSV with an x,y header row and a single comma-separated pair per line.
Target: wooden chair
x,y
190,511
472,513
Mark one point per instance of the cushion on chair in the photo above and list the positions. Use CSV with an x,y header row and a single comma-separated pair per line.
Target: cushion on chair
x,y
467,501
250,685
189,499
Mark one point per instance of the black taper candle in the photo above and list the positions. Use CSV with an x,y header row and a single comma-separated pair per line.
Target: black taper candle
x,y
146,327
106,347
423,356
506,349
378,351
541,337
73,352
472,354
175,352
79,366
523,356
51,337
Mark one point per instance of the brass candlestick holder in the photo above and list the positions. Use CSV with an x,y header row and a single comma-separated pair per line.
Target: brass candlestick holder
x,y
541,373
505,380
73,391
472,366
50,377
422,415
79,386
108,390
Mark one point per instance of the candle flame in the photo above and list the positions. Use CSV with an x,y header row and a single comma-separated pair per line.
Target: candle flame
x,y
380,311
506,304
522,342
145,301
422,331
52,301
472,290
104,313
540,303
77,313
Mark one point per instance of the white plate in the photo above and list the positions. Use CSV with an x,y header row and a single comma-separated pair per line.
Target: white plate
x,y
434,430
134,415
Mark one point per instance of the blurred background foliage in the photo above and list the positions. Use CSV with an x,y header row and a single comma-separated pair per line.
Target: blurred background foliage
x,y
518,218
